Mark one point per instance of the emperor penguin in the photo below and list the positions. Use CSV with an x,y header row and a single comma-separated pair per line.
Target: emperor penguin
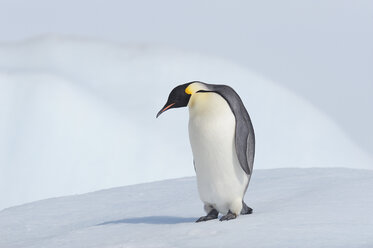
x,y
223,144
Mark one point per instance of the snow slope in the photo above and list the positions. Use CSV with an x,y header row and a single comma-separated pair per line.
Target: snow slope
x,y
78,115
313,207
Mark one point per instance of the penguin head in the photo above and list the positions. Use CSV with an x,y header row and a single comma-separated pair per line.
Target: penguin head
x,y
179,97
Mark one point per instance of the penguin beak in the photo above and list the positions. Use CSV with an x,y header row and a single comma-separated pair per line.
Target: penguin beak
x,y
167,106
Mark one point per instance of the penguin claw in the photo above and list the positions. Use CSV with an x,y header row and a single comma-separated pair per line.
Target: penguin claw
x,y
246,209
228,216
206,218
212,215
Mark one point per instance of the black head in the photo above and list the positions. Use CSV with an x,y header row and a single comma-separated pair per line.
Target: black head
x,y
178,98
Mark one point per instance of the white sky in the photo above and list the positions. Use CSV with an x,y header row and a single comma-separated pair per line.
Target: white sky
x,y
320,49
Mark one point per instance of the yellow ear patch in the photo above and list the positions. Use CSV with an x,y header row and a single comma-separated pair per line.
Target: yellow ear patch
x,y
188,90
194,87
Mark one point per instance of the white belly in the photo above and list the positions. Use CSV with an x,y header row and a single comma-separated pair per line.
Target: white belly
x,y
220,177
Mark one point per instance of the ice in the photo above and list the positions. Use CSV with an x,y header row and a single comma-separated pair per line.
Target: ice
x,y
313,207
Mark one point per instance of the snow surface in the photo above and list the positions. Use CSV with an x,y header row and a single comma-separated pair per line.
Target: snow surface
x,y
78,115
313,207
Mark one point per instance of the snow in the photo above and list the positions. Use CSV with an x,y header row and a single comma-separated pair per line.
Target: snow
x,y
315,207
78,115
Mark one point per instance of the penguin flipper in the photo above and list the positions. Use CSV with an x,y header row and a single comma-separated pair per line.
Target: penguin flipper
x,y
244,135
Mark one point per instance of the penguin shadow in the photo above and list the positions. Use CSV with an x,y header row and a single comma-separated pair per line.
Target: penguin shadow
x,y
155,220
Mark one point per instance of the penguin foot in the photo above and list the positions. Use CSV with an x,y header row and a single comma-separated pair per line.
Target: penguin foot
x,y
228,216
213,214
246,209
